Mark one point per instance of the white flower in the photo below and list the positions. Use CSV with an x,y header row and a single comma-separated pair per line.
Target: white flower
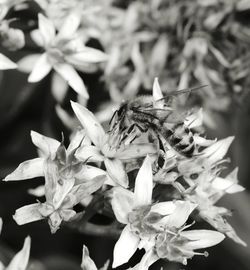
x,y
158,228
21,259
6,63
88,263
105,147
63,51
207,186
67,181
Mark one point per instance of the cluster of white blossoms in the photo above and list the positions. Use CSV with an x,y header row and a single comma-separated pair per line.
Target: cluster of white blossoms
x,y
157,207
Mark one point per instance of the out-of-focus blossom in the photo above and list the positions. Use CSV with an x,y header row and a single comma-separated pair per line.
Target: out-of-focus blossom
x,y
88,263
67,181
106,147
10,38
63,51
21,259
6,63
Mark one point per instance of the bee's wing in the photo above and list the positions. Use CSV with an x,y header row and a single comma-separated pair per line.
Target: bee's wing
x,y
169,97
168,115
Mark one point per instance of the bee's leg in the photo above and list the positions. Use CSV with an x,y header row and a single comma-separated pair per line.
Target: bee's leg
x,y
130,129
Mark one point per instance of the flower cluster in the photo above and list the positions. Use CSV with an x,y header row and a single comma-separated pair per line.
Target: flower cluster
x,y
99,165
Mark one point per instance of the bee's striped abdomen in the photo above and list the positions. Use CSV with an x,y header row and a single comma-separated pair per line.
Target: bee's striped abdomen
x,y
180,138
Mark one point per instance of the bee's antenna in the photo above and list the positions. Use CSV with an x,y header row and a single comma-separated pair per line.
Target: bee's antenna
x,y
182,91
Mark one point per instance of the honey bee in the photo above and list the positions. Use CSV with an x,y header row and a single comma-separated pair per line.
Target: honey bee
x,y
166,122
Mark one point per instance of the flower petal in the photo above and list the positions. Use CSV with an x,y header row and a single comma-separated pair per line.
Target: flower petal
x,y
38,191
1,225
72,78
28,169
226,185
46,145
87,55
6,63
201,238
28,213
79,192
70,25
122,203
164,208
179,215
47,29
37,37
144,184
21,259
157,93
89,153
218,150
148,259
41,69
116,170
27,63
125,247
87,173
93,128
87,262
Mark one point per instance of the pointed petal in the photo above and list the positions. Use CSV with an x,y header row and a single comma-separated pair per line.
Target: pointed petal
x,y
87,262
89,153
125,247
87,173
28,169
79,192
37,37
135,151
46,28
70,25
59,87
72,78
1,225
201,238
87,55
116,170
180,215
38,191
164,208
6,63
122,201
55,190
226,185
27,63
157,93
46,145
40,70
218,150
75,140
21,259
148,259
93,128
28,213
144,184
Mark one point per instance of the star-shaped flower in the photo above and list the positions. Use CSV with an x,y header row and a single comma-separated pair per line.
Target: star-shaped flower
x,y
67,181
158,228
63,51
